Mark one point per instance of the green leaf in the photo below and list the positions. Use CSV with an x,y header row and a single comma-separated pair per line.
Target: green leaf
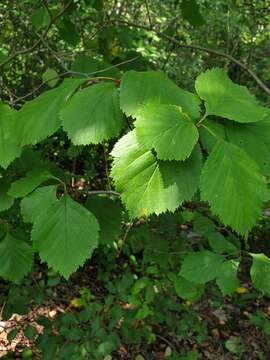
x,y
201,267
39,118
68,32
33,204
227,279
97,113
51,77
227,99
166,129
6,201
254,139
65,235
260,272
9,149
209,141
139,88
40,18
191,12
188,290
16,258
220,244
109,216
148,186
30,182
233,186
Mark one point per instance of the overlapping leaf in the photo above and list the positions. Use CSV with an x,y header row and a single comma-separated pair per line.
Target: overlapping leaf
x,y
233,186
109,215
227,279
30,182
148,186
227,99
6,200
139,88
65,235
16,258
166,129
39,118
254,139
9,148
93,115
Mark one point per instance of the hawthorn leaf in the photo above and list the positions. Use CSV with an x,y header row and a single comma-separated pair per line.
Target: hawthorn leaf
x,y
16,258
33,204
202,266
30,182
147,186
209,141
226,99
166,129
254,139
109,215
188,290
140,87
260,272
191,12
9,148
227,279
220,244
97,113
232,184
39,118
65,235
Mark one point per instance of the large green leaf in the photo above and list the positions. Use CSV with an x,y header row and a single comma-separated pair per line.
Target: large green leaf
x,y
65,235
188,290
233,186
39,118
138,88
16,258
9,149
260,272
254,139
147,186
33,204
202,266
166,129
30,182
227,279
227,99
97,113
109,215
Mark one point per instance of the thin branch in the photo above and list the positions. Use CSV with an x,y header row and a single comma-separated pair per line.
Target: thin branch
x,y
200,48
45,4
148,14
37,43
102,192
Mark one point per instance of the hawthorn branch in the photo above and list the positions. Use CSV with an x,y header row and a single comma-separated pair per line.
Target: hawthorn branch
x,y
178,43
38,42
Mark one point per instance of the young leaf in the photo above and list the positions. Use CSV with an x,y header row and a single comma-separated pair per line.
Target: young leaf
x,y
33,204
149,187
39,118
139,88
30,182
233,186
97,113
202,266
65,235
9,149
166,129
227,279
227,99
16,258
260,272
109,216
